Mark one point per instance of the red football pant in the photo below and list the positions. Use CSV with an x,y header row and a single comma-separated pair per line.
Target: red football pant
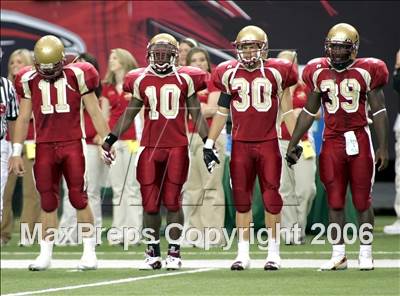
x,y
54,160
161,173
251,159
337,169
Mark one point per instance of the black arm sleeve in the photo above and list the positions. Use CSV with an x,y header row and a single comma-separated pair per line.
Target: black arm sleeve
x,y
224,100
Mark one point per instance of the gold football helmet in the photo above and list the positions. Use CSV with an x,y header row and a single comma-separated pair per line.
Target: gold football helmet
x,y
162,52
341,45
49,56
251,46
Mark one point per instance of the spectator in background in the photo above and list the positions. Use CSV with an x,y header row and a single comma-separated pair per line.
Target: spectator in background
x,y
95,174
127,203
19,59
185,45
395,227
204,199
8,115
297,183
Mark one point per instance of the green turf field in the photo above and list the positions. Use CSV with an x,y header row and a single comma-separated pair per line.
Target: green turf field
x,y
205,281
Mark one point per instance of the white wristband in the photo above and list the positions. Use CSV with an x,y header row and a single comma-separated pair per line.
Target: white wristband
x,y
17,149
209,144
379,111
309,113
222,114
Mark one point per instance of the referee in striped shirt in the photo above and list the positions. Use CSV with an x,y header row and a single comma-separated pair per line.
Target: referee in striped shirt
x,y
8,115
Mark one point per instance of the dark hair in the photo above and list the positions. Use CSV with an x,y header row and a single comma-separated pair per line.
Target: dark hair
x,y
196,50
92,60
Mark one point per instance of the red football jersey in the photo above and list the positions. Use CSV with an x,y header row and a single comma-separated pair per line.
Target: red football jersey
x,y
118,104
164,98
344,93
299,99
255,96
57,106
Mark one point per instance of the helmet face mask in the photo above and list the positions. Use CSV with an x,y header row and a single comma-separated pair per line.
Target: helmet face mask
x,y
249,53
162,52
50,71
341,45
251,46
162,56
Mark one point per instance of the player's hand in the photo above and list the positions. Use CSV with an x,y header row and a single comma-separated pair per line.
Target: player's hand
x,y
128,96
97,140
293,155
108,154
16,165
382,158
210,157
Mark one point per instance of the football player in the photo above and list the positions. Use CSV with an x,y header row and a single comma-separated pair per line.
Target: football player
x,y
166,93
254,89
55,93
345,85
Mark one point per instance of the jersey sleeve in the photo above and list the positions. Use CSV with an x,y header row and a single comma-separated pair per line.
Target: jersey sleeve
x,y
199,78
379,74
131,83
86,76
21,83
289,74
308,76
217,78
211,87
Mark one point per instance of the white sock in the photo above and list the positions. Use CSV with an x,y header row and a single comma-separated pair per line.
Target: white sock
x,y
244,249
46,248
338,250
89,245
365,251
273,247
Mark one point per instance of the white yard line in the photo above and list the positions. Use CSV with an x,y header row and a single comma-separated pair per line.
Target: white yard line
x,y
256,263
202,252
107,283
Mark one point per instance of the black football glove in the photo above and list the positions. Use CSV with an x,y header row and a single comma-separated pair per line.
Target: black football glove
x,y
296,151
210,157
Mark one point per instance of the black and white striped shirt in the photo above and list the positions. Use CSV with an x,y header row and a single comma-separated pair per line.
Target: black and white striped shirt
x,y
8,104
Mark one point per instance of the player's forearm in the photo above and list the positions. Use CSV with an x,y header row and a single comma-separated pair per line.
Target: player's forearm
x,y
100,124
126,119
303,123
290,122
217,125
199,121
20,132
202,126
11,129
376,100
381,126
208,111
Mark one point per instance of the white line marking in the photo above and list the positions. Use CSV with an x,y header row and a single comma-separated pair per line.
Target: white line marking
x,y
202,252
224,263
107,283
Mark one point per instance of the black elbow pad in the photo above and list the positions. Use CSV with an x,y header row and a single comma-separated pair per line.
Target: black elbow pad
x,y
224,100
